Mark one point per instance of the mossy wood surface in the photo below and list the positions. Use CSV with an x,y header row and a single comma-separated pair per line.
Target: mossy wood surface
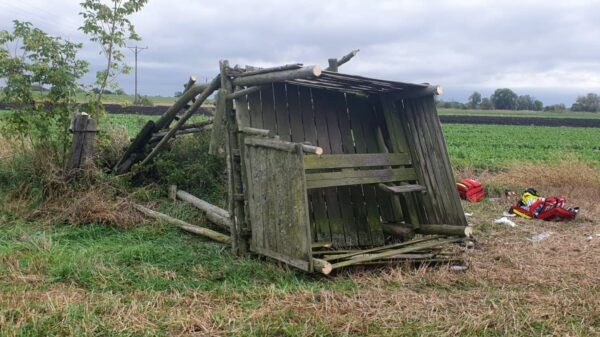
x,y
277,203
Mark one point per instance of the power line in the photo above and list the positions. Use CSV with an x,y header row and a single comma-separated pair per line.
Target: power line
x,y
136,50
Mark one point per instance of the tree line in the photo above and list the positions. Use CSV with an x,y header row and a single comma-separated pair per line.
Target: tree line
x,y
506,99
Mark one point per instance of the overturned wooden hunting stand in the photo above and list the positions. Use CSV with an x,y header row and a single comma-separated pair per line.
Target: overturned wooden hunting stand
x,y
319,159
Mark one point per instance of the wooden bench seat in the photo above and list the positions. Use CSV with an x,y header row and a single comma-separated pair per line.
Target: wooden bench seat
x,y
402,188
357,169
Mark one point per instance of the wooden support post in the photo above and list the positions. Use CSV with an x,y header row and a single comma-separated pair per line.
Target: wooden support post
x,y
278,76
239,244
82,149
184,225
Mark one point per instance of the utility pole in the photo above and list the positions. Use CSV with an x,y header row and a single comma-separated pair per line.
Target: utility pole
x,y
136,50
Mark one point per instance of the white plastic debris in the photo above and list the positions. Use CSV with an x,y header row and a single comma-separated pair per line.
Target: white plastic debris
x,y
458,268
505,221
468,214
508,215
541,237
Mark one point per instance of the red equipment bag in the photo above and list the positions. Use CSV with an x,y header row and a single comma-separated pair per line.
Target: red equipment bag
x,y
546,209
471,190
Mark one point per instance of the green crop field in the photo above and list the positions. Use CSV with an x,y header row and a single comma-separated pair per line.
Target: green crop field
x,y
495,146
524,114
134,123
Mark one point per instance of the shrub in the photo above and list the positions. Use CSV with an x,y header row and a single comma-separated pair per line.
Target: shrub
x,y
189,166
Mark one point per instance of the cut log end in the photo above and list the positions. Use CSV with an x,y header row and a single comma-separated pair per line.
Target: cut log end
x,y
317,71
469,231
322,266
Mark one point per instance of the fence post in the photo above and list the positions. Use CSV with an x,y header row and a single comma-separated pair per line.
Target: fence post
x,y
84,130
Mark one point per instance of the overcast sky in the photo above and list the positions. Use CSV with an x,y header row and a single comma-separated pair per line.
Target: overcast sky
x,y
549,49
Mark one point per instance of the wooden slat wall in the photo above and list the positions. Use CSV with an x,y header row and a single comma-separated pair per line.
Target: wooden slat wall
x,y
340,124
420,120
279,224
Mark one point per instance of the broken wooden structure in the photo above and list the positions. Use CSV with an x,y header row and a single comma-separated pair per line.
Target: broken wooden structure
x,y
326,170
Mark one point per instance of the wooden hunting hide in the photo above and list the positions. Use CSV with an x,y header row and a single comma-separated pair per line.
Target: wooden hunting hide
x,y
384,163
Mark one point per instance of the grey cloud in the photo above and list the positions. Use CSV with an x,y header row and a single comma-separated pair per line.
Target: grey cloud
x,y
548,49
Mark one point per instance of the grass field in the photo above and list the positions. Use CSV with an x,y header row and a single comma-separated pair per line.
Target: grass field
x,y
154,280
524,114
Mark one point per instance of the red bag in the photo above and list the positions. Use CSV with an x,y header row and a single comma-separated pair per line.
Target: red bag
x,y
471,190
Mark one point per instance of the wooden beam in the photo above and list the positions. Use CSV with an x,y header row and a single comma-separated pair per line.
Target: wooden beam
x,y
244,92
312,149
278,76
381,249
216,83
258,132
463,231
180,104
346,58
209,233
215,214
421,92
393,252
334,64
259,71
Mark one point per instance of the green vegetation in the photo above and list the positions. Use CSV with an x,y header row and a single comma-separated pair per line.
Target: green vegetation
x,y
523,113
497,146
110,27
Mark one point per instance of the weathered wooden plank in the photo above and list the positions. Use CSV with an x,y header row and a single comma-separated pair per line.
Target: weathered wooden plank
x,y
394,252
268,108
320,223
300,264
380,248
322,108
398,142
281,111
402,188
295,112
358,107
337,161
340,139
429,160
456,207
358,177
255,110
370,131
361,224
255,169
418,152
